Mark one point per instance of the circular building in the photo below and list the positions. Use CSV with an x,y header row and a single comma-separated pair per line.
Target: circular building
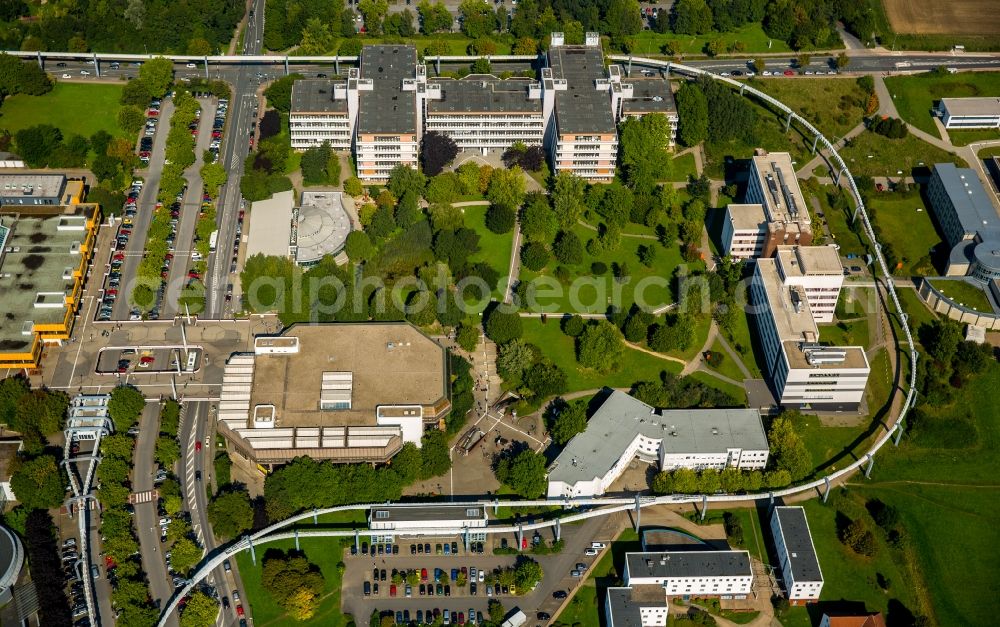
x,y
11,560
322,227
986,260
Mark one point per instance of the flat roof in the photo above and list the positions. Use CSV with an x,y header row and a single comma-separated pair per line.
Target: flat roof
x,y
794,529
392,363
387,109
989,105
801,261
316,96
37,253
425,513
270,230
622,417
323,226
32,185
973,207
746,217
485,93
679,564
581,108
625,603
794,323
782,195
649,95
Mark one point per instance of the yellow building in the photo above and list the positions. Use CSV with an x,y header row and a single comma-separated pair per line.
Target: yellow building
x,y
44,255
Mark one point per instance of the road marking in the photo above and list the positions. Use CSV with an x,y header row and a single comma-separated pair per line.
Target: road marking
x,y
147,496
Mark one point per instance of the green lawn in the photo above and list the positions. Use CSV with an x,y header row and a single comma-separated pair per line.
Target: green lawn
x,y
917,310
735,391
964,138
728,367
871,154
914,96
323,552
845,333
964,294
839,224
831,447
589,293
992,151
833,105
906,223
741,341
561,349
681,168
880,381
74,108
752,37
493,249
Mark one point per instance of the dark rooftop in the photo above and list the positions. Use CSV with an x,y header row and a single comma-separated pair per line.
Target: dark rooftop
x,y
581,108
387,109
625,603
484,94
798,541
650,95
689,564
316,96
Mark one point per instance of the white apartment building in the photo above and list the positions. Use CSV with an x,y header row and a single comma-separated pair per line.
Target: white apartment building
x,y
482,112
624,428
387,519
692,573
642,96
800,571
388,127
324,111
803,373
818,271
962,113
773,205
636,606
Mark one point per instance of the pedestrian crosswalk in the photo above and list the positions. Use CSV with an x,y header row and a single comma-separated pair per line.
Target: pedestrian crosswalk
x,y
143,497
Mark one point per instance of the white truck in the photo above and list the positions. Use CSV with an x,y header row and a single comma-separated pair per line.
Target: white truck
x,y
515,619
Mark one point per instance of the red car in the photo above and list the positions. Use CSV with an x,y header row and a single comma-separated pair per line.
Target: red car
x,y
119,257
193,275
239,611
197,446
153,112
251,142
789,73
147,359
423,574
109,562
392,590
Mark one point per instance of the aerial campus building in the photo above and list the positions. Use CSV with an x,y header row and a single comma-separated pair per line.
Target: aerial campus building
x,y
800,571
773,213
624,428
383,108
802,372
45,251
305,232
344,392
968,220
959,113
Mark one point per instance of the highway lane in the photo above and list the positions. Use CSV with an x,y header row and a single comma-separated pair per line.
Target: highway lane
x,y
144,214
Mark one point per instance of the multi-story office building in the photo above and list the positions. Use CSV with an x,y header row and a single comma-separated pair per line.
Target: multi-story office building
x,y
800,572
774,186
818,271
803,373
388,127
692,573
970,112
969,221
636,606
483,113
624,428
650,95
322,112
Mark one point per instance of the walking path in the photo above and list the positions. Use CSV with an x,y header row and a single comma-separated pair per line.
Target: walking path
x,y
736,357
806,171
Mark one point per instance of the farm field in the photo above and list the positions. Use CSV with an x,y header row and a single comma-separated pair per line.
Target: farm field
x,y
927,17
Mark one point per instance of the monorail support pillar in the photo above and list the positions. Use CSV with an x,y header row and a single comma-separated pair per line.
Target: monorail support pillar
x,y
638,514
826,491
788,121
704,506
899,433
815,143
253,555
868,468
297,548
286,65
558,531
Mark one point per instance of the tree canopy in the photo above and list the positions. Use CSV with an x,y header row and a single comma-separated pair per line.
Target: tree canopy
x,y
523,472
436,151
230,513
601,347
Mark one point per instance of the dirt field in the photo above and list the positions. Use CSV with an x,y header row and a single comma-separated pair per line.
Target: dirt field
x,y
925,17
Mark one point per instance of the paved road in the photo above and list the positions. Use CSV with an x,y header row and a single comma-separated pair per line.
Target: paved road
x,y
190,208
146,518
196,427
147,202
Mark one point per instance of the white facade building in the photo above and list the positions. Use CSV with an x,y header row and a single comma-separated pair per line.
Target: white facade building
x,y
962,113
818,271
482,112
636,606
800,571
773,214
402,516
803,373
324,111
624,428
692,573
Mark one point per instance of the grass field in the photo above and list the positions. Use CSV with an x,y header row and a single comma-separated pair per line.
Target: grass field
x,y
737,392
964,138
493,249
73,108
266,613
561,349
741,341
751,36
907,224
964,294
728,367
838,222
682,167
852,333
916,308
833,105
914,96
870,154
